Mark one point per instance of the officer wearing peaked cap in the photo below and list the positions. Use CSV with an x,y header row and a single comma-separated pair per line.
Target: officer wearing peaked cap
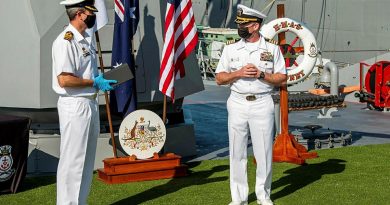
x,y
252,67
76,81
87,4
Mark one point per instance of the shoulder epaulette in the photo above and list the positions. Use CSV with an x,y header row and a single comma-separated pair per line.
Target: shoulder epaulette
x,y
228,42
68,35
271,41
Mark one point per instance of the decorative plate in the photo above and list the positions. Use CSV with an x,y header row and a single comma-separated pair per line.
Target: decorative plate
x,y
142,133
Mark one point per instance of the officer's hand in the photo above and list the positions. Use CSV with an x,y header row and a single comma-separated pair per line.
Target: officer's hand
x,y
103,84
248,71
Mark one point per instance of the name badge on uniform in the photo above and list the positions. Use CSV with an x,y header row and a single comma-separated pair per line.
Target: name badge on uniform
x,y
266,56
85,52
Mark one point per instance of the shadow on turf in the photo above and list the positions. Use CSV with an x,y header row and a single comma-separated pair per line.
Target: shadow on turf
x,y
36,182
302,176
175,184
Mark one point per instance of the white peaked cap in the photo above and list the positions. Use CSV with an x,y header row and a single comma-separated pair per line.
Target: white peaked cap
x,y
246,14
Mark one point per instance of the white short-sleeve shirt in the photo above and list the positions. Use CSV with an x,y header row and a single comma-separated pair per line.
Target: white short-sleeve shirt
x,y
76,56
239,54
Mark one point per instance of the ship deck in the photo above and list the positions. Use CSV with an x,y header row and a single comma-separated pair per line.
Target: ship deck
x,y
208,110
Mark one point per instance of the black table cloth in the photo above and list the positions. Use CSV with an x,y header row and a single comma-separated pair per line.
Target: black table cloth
x,y
14,136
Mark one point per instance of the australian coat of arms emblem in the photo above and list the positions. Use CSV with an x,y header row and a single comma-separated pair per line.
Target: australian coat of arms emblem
x,y
6,162
142,133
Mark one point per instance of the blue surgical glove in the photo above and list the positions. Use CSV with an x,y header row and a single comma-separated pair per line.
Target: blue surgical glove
x,y
103,84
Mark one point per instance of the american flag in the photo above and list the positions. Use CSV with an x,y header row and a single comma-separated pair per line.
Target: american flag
x,y
179,40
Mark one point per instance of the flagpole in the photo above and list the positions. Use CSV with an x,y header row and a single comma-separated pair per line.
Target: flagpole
x,y
106,95
165,110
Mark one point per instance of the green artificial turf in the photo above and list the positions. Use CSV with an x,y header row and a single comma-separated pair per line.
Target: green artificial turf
x,y
350,175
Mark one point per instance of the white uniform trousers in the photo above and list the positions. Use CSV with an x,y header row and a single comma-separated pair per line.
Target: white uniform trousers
x,y
79,127
258,116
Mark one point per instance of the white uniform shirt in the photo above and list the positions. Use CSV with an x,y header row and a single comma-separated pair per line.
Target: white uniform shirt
x,y
75,56
239,54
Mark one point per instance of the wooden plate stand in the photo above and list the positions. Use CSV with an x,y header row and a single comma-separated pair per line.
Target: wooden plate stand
x,y
130,169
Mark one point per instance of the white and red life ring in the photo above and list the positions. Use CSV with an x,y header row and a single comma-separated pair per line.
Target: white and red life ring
x,y
296,73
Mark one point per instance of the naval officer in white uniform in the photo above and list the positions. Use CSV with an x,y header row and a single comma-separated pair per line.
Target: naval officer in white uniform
x,y
252,67
76,80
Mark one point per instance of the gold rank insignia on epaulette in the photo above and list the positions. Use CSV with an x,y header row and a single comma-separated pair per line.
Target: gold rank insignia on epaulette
x,y
68,35
271,41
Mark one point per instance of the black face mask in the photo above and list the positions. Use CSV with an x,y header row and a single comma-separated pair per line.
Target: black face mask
x,y
244,33
90,20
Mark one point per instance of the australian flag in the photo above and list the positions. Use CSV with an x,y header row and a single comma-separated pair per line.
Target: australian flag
x,y
123,99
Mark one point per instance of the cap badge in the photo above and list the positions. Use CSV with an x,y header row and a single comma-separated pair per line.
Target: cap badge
x,y
239,12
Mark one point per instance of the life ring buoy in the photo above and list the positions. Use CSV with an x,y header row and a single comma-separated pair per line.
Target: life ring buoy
x,y
300,72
